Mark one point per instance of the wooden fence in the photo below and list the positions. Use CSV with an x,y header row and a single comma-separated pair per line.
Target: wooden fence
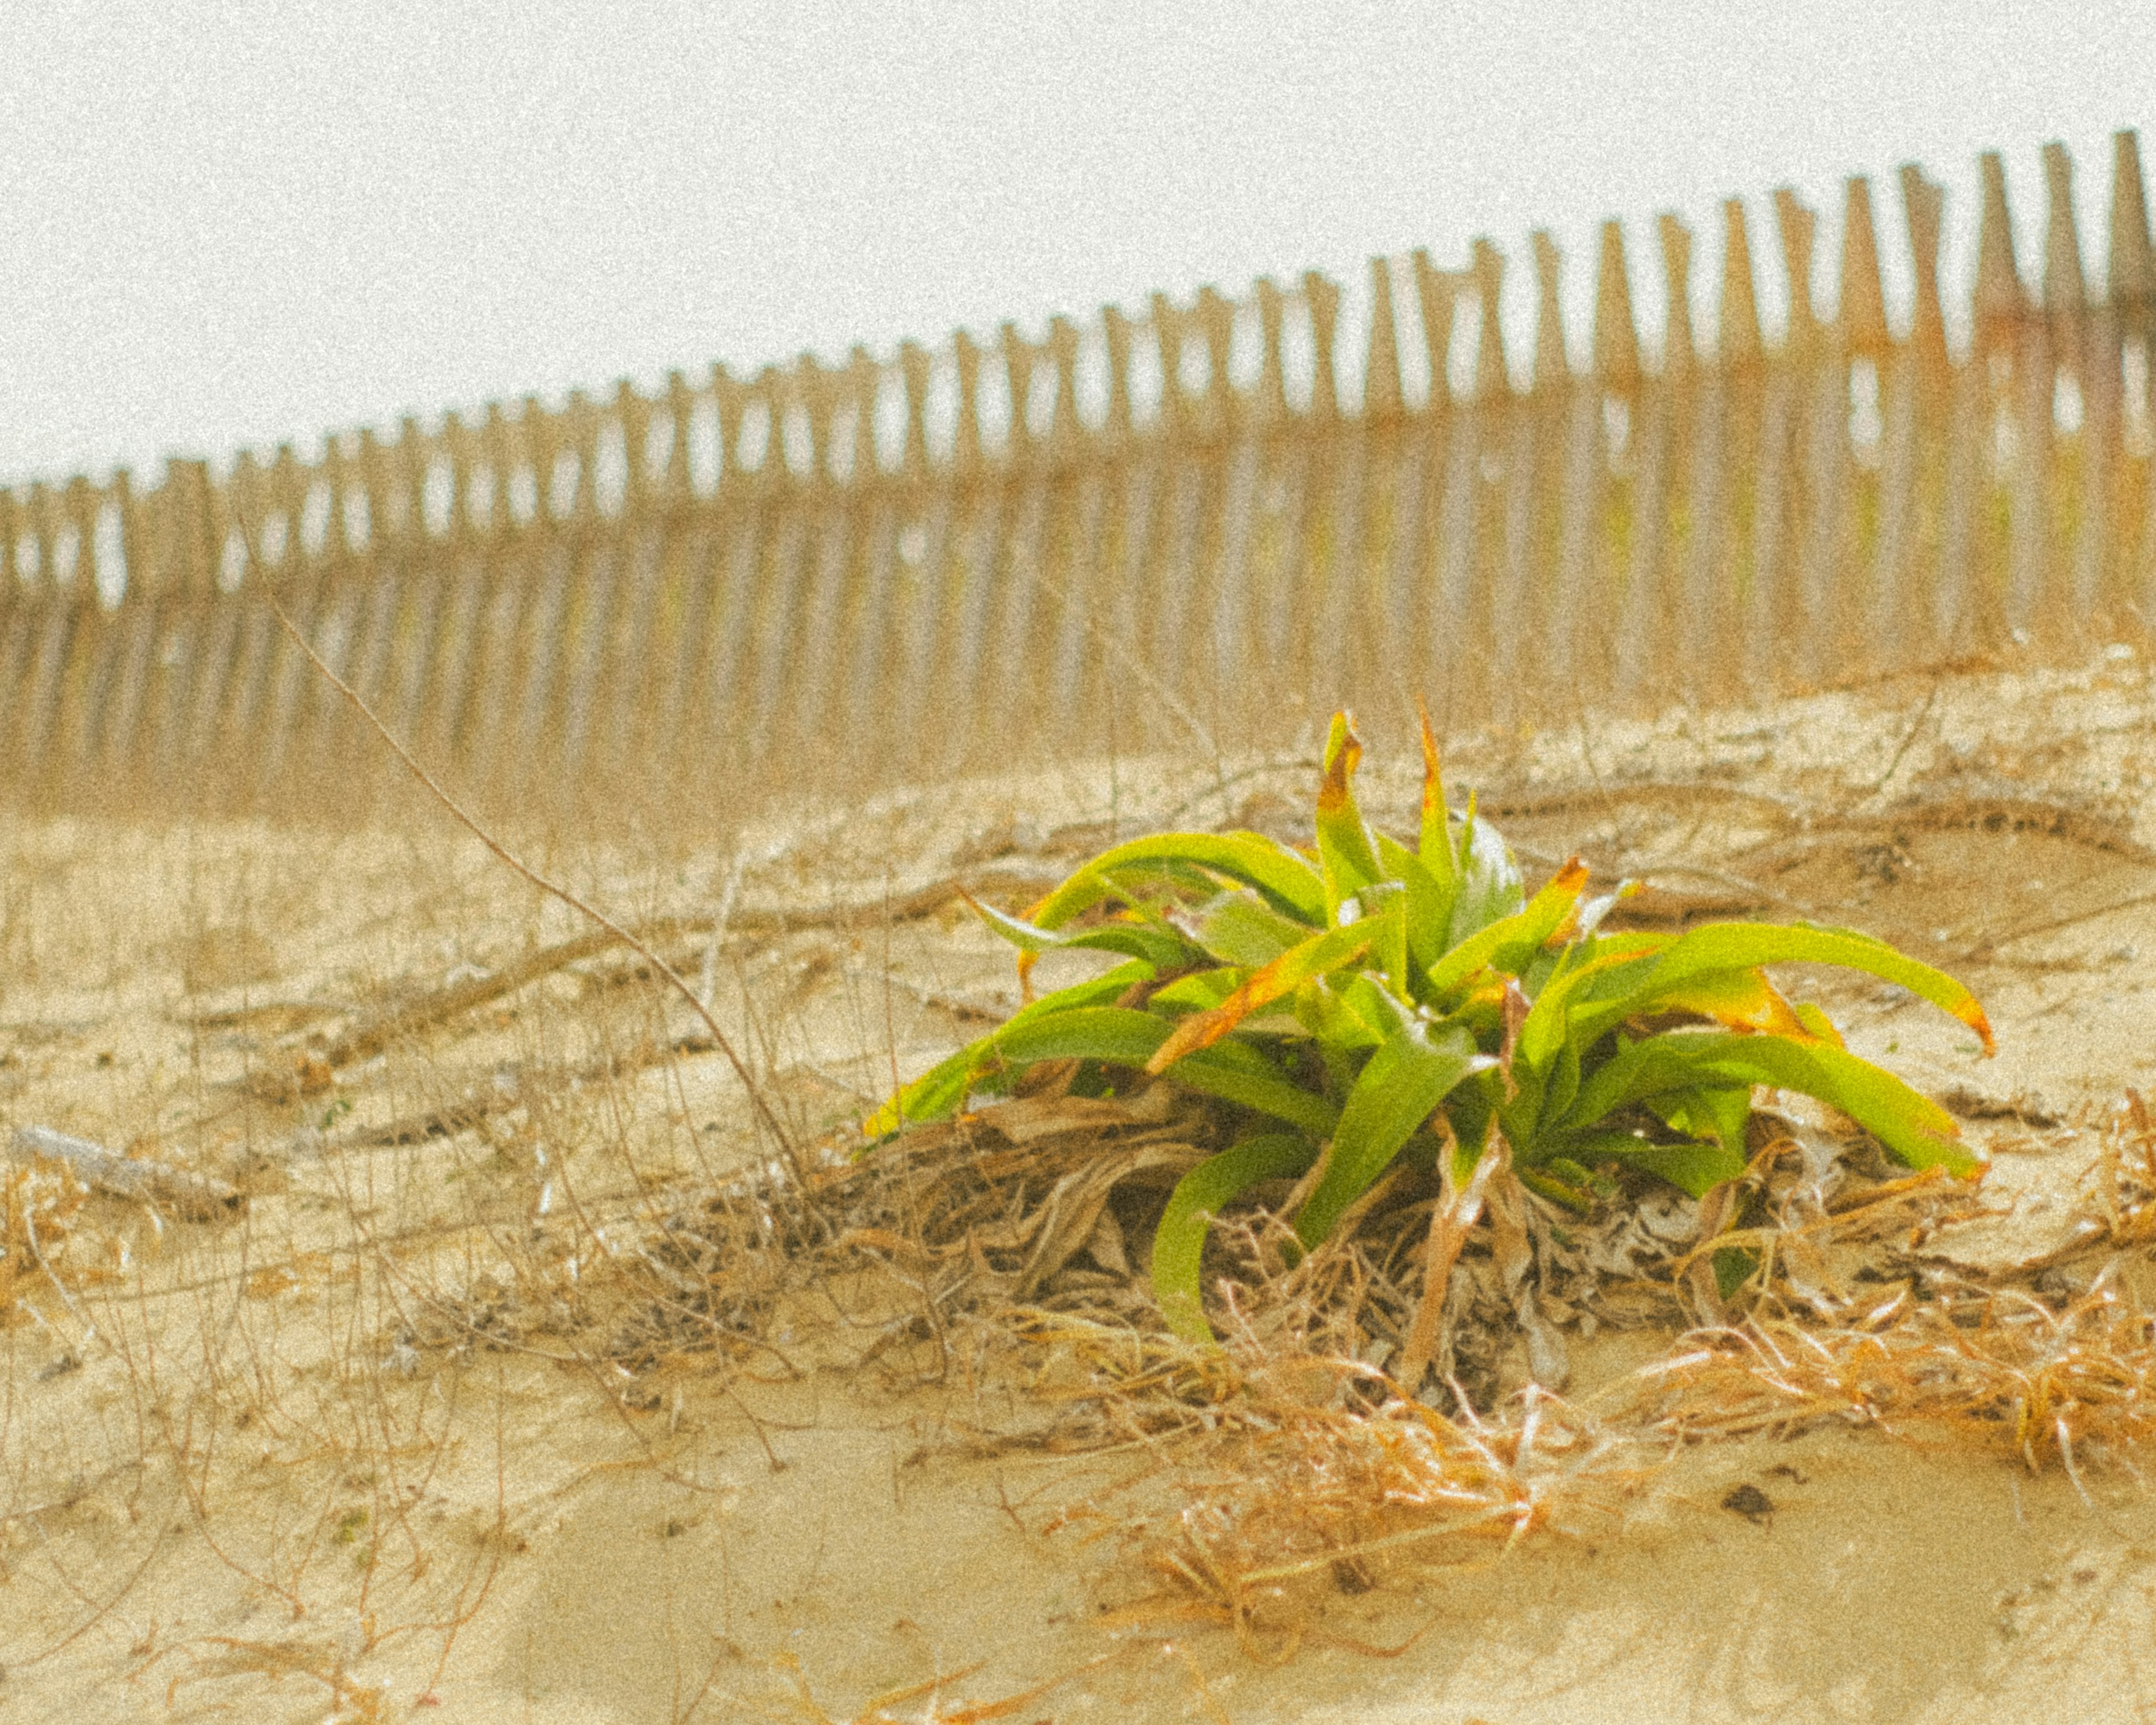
x,y
1163,530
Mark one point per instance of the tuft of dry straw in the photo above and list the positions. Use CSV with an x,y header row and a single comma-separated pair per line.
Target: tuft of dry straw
x,y
1296,1472
2000,1368
2002,1371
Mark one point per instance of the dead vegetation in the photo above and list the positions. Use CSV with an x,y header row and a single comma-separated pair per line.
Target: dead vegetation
x,y
515,1173
2055,1363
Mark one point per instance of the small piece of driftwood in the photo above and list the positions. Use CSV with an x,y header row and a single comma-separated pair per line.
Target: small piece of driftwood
x,y
174,1190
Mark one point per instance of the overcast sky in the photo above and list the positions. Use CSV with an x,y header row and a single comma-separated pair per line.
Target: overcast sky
x,y
230,224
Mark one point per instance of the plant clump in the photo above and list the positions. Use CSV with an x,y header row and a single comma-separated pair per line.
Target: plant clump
x,y
1358,1005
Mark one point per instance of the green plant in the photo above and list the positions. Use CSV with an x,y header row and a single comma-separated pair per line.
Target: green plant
x,y
1357,999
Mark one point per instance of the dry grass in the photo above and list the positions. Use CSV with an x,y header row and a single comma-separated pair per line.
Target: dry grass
x,y
1285,1474
2001,1371
477,1197
2011,1367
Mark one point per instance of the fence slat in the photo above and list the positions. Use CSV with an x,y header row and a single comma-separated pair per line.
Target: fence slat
x,y
653,593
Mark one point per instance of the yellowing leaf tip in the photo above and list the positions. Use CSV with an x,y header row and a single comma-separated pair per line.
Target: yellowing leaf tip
x,y
1343,751
1433,777
1572,878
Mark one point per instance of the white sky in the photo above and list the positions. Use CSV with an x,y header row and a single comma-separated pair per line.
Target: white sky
x,y
234,223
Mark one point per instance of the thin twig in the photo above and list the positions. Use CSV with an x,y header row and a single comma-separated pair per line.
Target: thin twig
x,y
1908,738
551,888
2067,921
1136,661
60,1287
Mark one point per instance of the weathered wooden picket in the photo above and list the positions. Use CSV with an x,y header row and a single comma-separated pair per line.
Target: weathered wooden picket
x,y
841,577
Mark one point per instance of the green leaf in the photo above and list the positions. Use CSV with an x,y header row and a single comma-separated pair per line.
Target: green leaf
x,y
1384,904
1344,851
1490,886
1508,942
1733,1266
1814,1019
1373,1004
1471,1110
1178,1244
1736,946
1437,856
1551,1023
1163,949
1243,929
1118,1034
1916,1129
1234,1071
939,1091
1720,1114
1333,1022
1428,900
1398,1091
942,1090
1287,881
1696,1166
1200,991
1560,1080
1652,1066
1320,954
1561,1187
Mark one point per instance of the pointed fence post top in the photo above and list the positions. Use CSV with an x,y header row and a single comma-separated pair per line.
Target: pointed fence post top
x,y
965,444
1492,377
1680,347
1799,225
813,389
583,447
1322,299
1383,398
374,482
913,369
1437,297
1018,356
1272,371
730,397
864,387
1737,340
1862,311
1065,431
1553,364
1167,344
1616,350
83,503
1214,315
457,451
415,459
681,408
1116,334
632,414
2000,298
2065,287
1923,212
769,393
2130,275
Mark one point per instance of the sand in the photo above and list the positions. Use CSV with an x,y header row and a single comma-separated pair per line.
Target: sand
x,y
251,1474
